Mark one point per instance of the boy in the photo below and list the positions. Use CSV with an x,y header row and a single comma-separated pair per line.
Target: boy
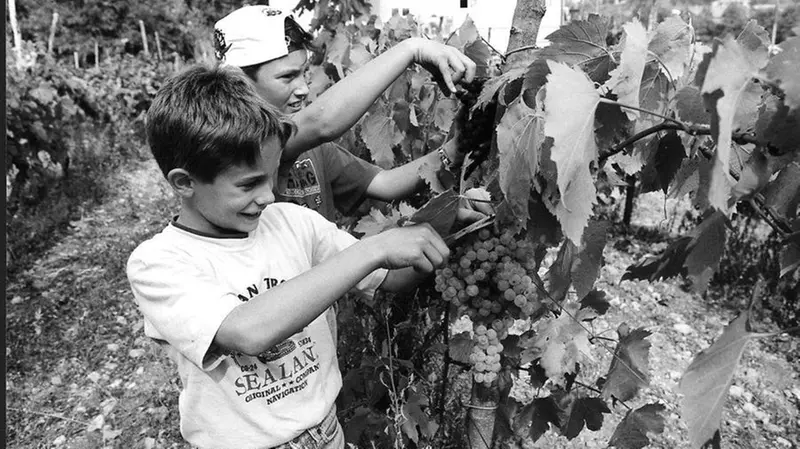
x,y
271,48
235,286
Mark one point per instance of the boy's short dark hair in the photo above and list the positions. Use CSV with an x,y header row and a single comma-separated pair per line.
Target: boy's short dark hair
x,y
207,119
296,39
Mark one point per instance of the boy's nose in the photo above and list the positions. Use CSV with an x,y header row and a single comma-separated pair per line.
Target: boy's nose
x,y
265,197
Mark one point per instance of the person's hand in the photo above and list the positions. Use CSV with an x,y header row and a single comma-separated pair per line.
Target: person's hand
x,y
446,63
417,246
474,205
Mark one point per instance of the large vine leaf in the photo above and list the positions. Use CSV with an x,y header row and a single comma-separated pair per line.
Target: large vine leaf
x,y
440,212
690,107
535,418
578,411
460,347
562,342
630,367
582,43
589,258
631,433
520,134
782,195
415,417
380,133
695,255
705,383
493,85
570,105
730,69
671,44
376,221
784,67
626,79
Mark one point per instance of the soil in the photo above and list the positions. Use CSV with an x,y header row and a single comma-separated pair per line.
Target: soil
x,y
81,374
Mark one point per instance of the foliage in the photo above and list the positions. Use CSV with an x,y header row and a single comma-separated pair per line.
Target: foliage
x,y
583,111
66,128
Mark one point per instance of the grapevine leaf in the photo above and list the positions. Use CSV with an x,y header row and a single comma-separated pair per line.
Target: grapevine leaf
x,y
626,79
705,383
596,300
777,124
669,158
753,178
631,433
493,85
359,56
376,222
653,93
542,226
589,258
782,196
569,119
695,255
582,42
445,113
380,133
535,79
783,69
562,342
690,107
461,347
671,43
536,418
480,53
729,71
754,38
432,175
519,136
630,367
611,125
318,81
559,275
338,51
416,417
505,382
439,212
583,411
582,195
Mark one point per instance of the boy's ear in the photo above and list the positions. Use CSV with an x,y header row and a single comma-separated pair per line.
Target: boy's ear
x,y
181,182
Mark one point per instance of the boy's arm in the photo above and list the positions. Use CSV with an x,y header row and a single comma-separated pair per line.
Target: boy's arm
x,y
401,182
282,311
342,104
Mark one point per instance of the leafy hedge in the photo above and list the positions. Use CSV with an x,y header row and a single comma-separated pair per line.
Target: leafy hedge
x,y
66,128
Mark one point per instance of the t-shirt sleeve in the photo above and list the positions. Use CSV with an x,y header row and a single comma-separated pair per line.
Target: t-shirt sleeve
x,y
349,176
330,240
180,303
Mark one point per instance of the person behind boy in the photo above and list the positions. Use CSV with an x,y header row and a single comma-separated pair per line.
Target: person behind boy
x,y
235,285
271,48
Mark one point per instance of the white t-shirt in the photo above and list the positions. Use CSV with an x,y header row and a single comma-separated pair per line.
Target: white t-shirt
x,y
185,284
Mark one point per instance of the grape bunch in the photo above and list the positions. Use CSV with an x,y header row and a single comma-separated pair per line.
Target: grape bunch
x,y
475,128
485,356
491,278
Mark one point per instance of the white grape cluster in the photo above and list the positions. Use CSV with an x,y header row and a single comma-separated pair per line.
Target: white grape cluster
x,y
489,279
485,356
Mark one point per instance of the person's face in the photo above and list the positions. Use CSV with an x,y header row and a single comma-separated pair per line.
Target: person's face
x,y
233,202
282,82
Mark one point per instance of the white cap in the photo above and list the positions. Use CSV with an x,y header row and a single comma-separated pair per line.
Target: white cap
x,y
251,35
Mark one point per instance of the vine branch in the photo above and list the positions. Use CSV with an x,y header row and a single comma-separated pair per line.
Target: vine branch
x,y
519,49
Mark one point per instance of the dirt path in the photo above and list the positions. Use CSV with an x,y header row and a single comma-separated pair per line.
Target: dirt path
x,y
80,374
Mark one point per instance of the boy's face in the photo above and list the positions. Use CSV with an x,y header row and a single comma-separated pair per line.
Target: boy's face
x,y
282,82
233,202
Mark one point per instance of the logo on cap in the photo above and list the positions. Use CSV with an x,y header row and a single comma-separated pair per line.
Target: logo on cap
x,y
219,44
269,12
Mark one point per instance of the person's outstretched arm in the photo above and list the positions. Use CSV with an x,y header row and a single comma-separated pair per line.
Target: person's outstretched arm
x,y
343,104
273,316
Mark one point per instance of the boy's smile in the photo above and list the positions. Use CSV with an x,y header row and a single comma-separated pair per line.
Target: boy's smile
x,y
233,202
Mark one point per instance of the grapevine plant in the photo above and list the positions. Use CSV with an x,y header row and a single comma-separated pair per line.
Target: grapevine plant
x,y
547,132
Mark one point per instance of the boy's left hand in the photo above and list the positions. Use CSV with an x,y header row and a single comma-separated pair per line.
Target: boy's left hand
x,y
474,205
446,63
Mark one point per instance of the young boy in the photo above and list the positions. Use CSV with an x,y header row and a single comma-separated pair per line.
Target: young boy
x,y
235,286
271,48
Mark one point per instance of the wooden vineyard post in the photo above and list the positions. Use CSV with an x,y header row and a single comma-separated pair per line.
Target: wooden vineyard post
x,y
96,55
12,12
144,39
52,37
77,62
158,47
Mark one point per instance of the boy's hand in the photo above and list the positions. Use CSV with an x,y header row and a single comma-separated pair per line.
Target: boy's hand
x,y
448,65
417,246
471,211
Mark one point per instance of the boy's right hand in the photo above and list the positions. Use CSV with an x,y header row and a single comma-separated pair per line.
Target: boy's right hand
x,y
417,246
